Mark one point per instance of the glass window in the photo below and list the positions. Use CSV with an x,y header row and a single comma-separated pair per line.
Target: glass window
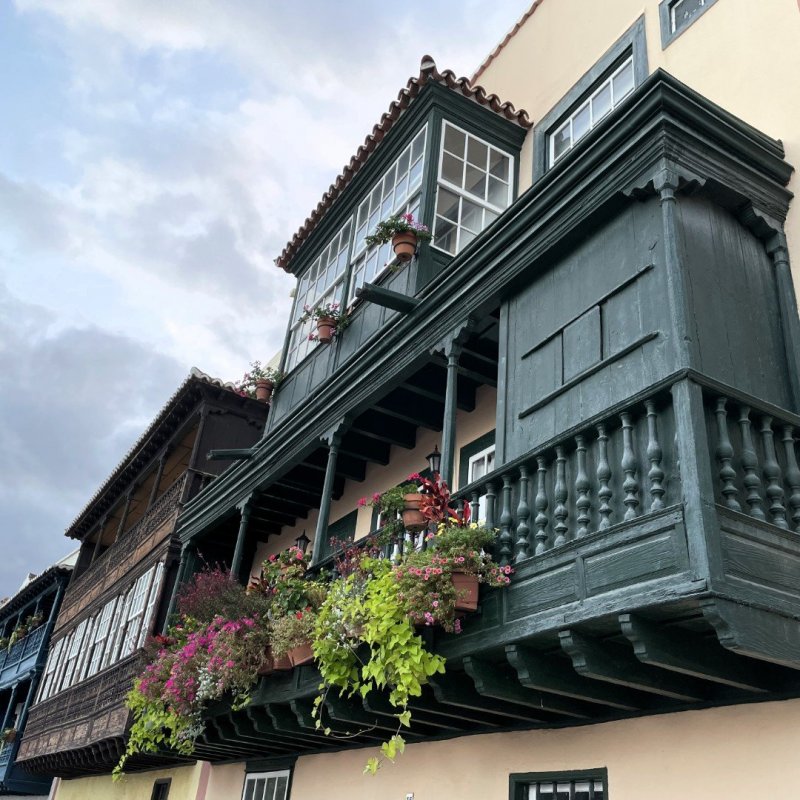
x,y
474,188
398,192
151,603
610,93
682,11
480,465
588,789
266,785
100,636
320,284
135,613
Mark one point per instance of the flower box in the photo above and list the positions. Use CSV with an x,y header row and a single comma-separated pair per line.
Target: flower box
x,y
466,587
413,519
302,654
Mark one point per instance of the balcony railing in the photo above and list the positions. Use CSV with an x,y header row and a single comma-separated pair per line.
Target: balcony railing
x,y
22,656
614,470
121,556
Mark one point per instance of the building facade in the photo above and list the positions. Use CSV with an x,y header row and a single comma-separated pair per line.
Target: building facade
x,y
26,622
122,583
602,340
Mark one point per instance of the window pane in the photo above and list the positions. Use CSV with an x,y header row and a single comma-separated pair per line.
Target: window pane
x,y
418,145
280,788
498,193
498,165
475,182
445,235
415,176
471,216
454,141
466,237
601,104
581,122
623,82
562,141
447,205
477,153
452,169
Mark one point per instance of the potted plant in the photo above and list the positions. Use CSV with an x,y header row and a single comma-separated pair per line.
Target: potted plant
x,y
259,382
403,232
329,318
292,636
400,501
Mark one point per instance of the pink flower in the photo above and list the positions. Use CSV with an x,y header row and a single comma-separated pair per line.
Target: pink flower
x,y
457,626
362,502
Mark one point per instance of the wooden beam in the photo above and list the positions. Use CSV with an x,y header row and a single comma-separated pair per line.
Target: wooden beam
x,y
374,426
432,381
406,406
370,450
605,661
749,631
386,298
501,683
368,722
548,674
422,718
349,467
268,515
286,725
690,654
457,689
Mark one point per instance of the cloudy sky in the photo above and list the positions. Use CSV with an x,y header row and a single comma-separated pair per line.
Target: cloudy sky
x,y
155,156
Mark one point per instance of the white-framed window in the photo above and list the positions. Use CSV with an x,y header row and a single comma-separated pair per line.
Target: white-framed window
x,y
607,95
88,639
321,284
50,670
117,628
266,785
100,636
397,192
480,465
580,789
135,613
151,603
682,11
474,188
76,642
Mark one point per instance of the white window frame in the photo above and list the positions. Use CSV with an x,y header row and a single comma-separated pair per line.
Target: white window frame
x,y
50,670
674,25
408,204
135,613
607,81
152,597
102,633
251,778
117,628
481,456
463,194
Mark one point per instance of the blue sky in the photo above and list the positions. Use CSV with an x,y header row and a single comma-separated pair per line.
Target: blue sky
x,y
155,156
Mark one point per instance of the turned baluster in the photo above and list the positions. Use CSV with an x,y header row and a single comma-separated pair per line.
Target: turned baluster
x,y
475,506
582,486
541,506
727,474
490,498
630,485
792,474
560,494
523,515
772,472
654,455
752,483
603,473
506,520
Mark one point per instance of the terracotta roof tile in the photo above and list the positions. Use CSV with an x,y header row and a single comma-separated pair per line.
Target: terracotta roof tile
x,y
428,74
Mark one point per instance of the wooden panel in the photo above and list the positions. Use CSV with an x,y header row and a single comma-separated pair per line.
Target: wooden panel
x,y
582,343
636,562
546,590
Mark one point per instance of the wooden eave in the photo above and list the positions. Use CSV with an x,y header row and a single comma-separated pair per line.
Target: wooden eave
x,y
663,125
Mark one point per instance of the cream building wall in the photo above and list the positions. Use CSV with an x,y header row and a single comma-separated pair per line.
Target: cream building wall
x,y
736,752
742,54
186,785
402,462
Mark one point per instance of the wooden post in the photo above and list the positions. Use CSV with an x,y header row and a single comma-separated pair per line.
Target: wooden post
x,y
124,517
452,351
238,552
185,565
790,325
157,482
334,441
12,698
23,716
99,543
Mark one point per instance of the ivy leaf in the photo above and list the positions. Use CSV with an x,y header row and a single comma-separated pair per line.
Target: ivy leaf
x,y
405,718
372,766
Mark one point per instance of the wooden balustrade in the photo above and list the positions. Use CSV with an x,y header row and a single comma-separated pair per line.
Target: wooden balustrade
x,y
754,448
614,471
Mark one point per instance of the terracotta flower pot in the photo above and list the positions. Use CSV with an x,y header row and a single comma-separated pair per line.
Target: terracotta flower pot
x,y
302,654
264,389
326,327
413,520
466,587
282,664
268,664
404,245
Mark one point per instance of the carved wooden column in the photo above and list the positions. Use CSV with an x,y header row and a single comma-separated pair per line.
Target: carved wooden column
x,y
99,543
124,518
185,568
238,551
790,324
334,439
452,351
666,184
159,474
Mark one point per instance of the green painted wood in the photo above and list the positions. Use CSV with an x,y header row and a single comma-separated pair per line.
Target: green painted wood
x,y
425,718
605,661
387,298
755,632
285,722
555,676
501,683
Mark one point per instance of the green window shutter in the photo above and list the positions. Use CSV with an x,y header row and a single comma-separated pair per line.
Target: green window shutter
x,y
469,450
344,529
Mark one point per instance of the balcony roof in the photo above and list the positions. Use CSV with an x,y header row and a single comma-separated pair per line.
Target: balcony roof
x,y
172,414
428,74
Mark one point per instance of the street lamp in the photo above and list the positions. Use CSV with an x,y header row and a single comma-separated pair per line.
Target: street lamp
x,y
434,460
302,542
